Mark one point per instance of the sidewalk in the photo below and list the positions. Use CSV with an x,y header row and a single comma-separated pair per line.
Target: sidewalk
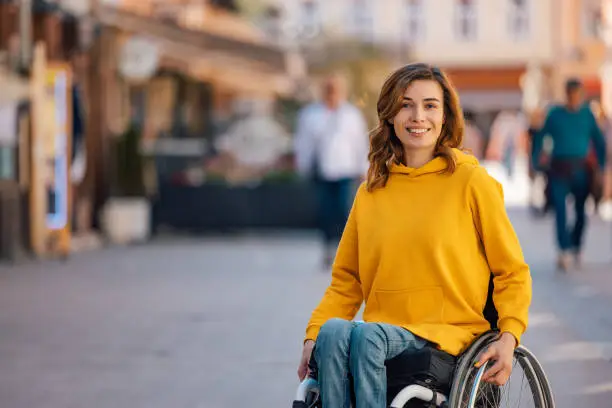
x,y
593,279
217,322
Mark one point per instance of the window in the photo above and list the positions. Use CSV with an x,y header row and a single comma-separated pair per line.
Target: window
x,y
592,18
310,17
413,27
518,19
363,19
7,165
466,24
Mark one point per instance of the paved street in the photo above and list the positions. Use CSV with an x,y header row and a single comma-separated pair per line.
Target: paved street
x,y
217,323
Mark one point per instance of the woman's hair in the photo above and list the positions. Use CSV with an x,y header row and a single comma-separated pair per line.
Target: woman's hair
x,y
385,147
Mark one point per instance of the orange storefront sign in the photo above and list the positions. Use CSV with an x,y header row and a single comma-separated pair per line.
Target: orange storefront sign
x,y
592,86
486,78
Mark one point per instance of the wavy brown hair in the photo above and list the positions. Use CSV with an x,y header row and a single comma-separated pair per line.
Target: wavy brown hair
x,y
386,148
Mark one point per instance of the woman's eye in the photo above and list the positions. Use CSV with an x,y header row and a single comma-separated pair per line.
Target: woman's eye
x,y
430,106
405,105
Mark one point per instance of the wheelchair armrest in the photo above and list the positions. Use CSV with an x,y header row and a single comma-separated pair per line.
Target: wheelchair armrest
x,y
306,387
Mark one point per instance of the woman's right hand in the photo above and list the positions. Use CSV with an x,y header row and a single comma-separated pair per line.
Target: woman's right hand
x,y
306,353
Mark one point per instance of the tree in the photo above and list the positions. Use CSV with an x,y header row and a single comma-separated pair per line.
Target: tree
x,y
252,9
365,65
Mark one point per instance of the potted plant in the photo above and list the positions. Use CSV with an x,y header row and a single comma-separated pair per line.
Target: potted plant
x,y
127,213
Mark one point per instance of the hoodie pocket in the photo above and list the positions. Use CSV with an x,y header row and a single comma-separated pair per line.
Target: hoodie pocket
x,y
412,306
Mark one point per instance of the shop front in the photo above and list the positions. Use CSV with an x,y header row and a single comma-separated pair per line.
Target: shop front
x,y
215,155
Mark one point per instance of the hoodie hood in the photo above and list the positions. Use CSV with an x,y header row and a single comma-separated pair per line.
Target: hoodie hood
x,y
436,165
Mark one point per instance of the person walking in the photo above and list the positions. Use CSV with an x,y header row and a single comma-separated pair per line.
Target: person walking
x,y
574,131
331,148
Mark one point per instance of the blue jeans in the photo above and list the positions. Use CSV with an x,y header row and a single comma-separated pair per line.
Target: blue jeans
x,y
577,184
360,349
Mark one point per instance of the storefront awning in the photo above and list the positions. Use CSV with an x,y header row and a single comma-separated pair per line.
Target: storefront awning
x,y
486,78
226,70
268,56
232,63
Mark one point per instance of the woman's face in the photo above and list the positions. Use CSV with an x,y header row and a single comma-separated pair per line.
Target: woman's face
x,y
419,122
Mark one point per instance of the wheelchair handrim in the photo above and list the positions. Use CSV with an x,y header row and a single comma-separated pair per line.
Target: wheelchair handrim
x,y
466,361
467,397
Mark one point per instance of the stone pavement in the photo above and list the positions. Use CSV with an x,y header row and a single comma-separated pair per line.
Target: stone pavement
x,y
570,323
188,322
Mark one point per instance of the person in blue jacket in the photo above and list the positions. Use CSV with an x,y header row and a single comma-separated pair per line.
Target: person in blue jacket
x,y
574,132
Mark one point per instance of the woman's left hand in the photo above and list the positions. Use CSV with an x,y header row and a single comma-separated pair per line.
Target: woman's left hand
x,y
501,352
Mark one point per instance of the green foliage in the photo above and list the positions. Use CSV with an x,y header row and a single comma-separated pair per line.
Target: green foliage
x,y
251,9
129,177
287,111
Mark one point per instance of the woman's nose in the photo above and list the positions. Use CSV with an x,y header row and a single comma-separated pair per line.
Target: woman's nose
x,y
418,114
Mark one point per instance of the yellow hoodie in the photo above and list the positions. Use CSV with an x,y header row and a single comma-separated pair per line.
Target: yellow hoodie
x,y
420,252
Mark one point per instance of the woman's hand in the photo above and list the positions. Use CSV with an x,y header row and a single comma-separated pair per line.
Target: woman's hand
x,y
501,352
306,353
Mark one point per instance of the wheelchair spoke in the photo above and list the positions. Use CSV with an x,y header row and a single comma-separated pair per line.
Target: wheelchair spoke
x,y
521,391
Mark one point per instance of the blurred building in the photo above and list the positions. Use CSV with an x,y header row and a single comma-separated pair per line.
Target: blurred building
x,y
174,69
181,71
486,46
580,49
494,50
204,59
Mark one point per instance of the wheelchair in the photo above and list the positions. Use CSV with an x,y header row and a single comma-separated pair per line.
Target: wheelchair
x,y
431,378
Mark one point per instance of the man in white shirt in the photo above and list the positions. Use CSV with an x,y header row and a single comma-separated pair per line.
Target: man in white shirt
x,y
331,148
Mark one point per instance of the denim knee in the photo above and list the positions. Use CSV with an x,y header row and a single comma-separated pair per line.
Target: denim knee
x,y
367,338
333,339
335,329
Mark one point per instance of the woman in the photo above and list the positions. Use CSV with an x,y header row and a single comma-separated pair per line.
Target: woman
x,y
424,234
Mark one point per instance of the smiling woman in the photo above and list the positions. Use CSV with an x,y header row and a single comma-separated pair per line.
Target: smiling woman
x,y
419,122
423,266
419,118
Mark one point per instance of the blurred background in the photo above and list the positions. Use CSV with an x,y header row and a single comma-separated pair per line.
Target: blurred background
x,y
153,222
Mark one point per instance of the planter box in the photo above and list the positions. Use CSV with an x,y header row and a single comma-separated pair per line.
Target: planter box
x,y
126,220
211,207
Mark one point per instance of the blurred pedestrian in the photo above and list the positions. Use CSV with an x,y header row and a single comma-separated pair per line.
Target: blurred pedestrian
x,y
331,148
573,130
539,179
600,188
473,138
507,139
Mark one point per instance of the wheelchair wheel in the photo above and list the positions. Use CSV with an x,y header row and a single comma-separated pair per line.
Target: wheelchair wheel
x,y
313,400
527,387
542,378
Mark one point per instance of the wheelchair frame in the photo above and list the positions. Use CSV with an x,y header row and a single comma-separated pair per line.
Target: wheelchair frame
x,y
308,391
